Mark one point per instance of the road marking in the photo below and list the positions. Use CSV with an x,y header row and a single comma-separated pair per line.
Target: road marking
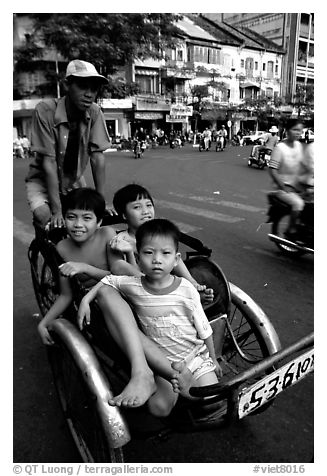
x,y
185,228
22,232
198,211
224,203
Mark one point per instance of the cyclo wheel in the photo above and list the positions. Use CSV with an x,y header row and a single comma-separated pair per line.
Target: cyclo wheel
x,y
79,407
254,334
45,277
278,228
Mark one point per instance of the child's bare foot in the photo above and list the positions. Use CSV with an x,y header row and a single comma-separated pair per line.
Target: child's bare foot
x,y
138,390
183,379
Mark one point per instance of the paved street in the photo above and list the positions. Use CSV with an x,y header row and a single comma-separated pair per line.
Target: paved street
x,y
217,198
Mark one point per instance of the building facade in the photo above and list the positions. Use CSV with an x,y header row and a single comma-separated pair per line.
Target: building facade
x,y
231,63
294,32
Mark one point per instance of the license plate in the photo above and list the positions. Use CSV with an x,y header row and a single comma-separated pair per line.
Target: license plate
x,y
267,388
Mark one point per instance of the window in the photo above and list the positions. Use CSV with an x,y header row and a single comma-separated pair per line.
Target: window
x,y
269,92
256,65
270,69
242,63
189,53
276,68
263,66
180,55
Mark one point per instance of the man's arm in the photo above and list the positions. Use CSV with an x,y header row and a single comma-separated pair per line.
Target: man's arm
x,y
98,171
52,182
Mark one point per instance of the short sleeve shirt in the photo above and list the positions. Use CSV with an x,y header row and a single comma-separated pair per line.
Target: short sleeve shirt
x,y
287,160
49,137
173,317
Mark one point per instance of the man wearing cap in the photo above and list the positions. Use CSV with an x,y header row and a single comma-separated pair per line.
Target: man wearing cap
x,y
66,134
270,141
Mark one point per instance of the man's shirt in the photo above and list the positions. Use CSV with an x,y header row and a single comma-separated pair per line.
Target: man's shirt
x,y
49,137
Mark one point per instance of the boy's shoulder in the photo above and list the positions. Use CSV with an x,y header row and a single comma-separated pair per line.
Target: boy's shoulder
x,y
106,231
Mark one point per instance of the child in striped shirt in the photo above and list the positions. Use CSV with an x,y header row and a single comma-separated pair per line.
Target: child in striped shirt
x,y
169,311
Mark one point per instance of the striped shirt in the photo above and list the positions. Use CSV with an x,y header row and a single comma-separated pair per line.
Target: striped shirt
x,y
172,317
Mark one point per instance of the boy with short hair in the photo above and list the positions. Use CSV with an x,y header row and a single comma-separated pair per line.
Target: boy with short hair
x,y
135,204
85,251
168,309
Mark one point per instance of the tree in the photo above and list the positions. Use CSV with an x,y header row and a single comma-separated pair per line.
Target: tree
x,y
107,40
199,92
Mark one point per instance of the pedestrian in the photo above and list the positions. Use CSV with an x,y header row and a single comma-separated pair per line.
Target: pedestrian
x,y
26,146
169,312
18,148
67,133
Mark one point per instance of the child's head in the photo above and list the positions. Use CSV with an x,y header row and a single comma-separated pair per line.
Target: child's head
x,y
135,204
85,198
157,244
129,193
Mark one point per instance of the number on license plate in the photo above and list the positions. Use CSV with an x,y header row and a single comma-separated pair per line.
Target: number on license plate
x,y
267,388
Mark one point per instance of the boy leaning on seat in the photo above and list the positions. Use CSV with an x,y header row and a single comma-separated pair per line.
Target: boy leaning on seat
x,y
86,252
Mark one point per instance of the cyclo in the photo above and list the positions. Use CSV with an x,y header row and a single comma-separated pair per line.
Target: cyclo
x,y
89,368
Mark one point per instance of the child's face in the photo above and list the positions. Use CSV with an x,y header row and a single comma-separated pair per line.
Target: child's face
x,y
81,224
138,212
157,256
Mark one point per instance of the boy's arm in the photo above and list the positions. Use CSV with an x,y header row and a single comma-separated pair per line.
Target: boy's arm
x,y
71,268
119,266
181,270
59,306
83,315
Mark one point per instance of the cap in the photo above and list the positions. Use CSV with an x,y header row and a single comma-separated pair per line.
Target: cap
x,y
273,129
83,69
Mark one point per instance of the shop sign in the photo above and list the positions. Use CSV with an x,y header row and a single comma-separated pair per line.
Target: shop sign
x,y
175,118
181,110
148,115
152,104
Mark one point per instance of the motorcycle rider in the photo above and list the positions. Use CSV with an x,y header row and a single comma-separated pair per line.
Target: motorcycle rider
x,y
270,141
140,136
223,133
285,167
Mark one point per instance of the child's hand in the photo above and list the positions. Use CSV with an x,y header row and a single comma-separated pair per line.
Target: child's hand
x,y
218,369
44,333
207,296
118,244
84,314
71,268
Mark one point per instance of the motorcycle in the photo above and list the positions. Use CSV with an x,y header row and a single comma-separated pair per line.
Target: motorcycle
x,y
220,144
278,216
139,149
201,144
262,159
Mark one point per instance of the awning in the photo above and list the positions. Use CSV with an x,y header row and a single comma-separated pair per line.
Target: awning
x,y
249,84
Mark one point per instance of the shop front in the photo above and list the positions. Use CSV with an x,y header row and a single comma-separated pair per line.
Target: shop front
x,y
149,113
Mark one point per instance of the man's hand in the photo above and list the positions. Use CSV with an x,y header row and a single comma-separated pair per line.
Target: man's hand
x,y
57,220
71,268
84,314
